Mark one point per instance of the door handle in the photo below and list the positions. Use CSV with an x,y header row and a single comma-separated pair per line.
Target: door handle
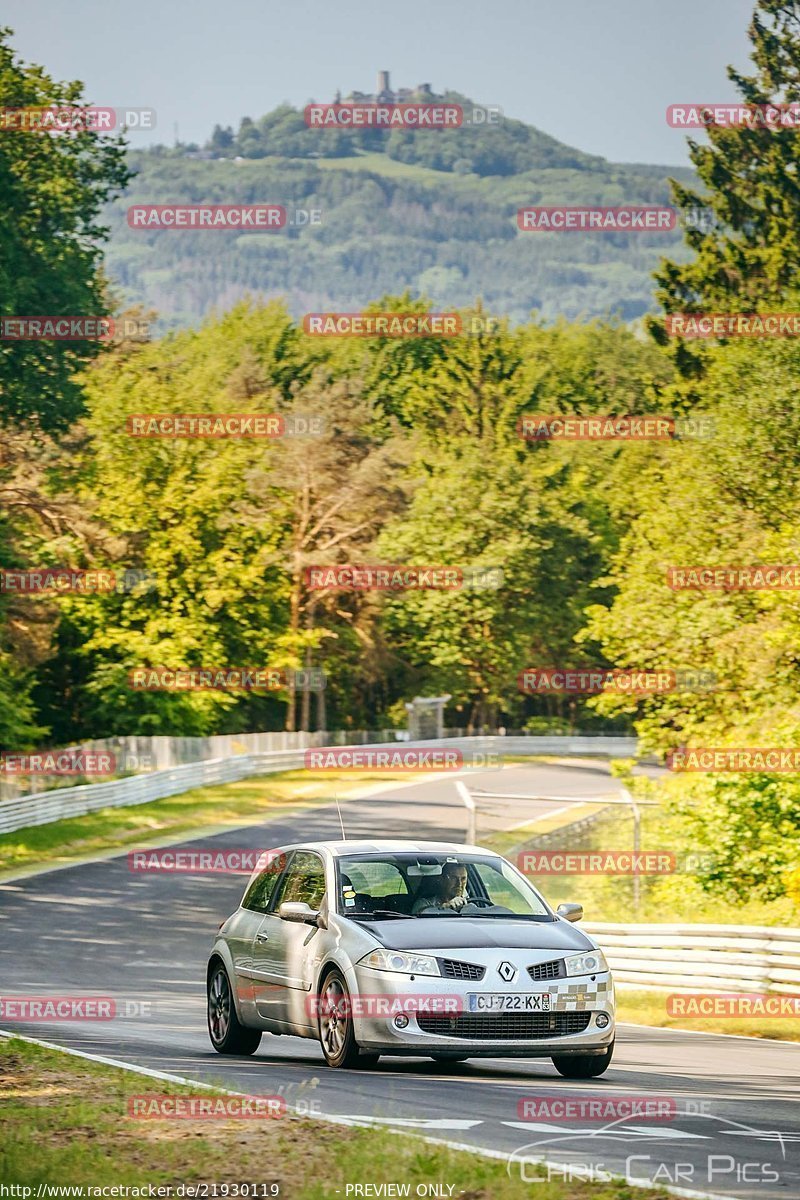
x,y
262,937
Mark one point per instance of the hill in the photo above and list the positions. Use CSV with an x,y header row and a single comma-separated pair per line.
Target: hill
x,y
430,211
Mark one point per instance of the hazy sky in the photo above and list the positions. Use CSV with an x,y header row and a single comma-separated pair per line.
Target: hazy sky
x,y
597,75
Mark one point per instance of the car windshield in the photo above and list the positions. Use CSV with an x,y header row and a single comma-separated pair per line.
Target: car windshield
x,y
387,886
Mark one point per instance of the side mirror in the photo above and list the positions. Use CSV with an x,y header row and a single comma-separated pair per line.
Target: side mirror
x,y
298,911
570,912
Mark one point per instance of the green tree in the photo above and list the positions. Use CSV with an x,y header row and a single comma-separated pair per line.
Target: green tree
x,y
725,500
752,254
53,189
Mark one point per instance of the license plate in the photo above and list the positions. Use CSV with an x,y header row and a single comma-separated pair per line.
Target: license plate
x,y
508,1002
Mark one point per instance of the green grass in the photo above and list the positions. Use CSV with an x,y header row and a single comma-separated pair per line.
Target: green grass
x,y
509,842
65,1122
225,805
649,1008
380,164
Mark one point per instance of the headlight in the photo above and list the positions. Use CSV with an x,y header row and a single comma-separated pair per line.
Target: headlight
x,y
590,963
398,960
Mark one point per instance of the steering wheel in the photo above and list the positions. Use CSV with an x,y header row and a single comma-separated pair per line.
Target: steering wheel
x,y
481,902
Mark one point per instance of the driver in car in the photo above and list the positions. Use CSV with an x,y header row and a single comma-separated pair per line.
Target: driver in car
x,y
450,891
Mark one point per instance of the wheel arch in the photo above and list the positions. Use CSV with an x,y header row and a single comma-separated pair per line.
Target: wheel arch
x,y
218,957
330,964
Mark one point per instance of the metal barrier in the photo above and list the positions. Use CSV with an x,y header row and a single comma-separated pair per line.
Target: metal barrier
x,y
57,804
61,803
140,754
688,958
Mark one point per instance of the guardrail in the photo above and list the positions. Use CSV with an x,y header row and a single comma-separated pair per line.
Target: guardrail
x,y
41,808
141,754
689,958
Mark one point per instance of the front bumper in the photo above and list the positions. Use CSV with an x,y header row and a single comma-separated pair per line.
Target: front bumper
x,y
436,1028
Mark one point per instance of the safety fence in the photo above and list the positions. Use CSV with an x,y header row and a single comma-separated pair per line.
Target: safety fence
x,y
694,958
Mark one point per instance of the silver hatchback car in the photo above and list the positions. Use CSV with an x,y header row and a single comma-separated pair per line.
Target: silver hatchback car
x,y
414,948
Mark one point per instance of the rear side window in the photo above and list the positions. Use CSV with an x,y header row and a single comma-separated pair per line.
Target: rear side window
x,y
374,879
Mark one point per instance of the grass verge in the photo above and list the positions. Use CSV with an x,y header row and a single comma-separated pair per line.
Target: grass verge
x,y
650,1008
65,1122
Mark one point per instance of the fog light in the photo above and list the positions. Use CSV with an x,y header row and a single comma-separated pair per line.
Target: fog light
x,y
400,1021
602,1019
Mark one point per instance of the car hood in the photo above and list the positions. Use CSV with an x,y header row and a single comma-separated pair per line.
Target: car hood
x,y
461,933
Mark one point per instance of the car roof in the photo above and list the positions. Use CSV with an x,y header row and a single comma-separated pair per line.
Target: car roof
x,y
392,846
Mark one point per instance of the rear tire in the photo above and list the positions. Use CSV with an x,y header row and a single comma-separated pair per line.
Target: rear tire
x,y
227,1034
335,1026
583,1066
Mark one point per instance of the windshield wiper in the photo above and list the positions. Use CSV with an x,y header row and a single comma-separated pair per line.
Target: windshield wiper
x,y
379,912
481,915
513,916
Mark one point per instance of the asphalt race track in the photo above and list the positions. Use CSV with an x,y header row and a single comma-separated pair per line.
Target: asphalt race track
x,y
96,928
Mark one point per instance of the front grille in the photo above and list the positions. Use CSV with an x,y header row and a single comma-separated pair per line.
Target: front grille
x,y
549,970
453,969
498,1027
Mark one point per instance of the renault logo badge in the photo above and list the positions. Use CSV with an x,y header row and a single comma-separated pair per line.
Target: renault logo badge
x,y
506,971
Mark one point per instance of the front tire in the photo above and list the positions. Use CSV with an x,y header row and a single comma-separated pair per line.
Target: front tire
x,y
335,1026
583,1066
227,1034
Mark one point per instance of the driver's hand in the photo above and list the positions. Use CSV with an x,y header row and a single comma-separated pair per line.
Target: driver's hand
x,y
457,902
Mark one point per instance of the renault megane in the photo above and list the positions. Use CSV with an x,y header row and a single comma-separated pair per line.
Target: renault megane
x,y
412,948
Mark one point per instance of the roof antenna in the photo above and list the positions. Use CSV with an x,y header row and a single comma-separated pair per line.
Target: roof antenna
x,y
341,822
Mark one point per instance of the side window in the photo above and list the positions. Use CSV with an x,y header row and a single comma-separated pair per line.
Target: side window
x,y
304,880
259,894
374,879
